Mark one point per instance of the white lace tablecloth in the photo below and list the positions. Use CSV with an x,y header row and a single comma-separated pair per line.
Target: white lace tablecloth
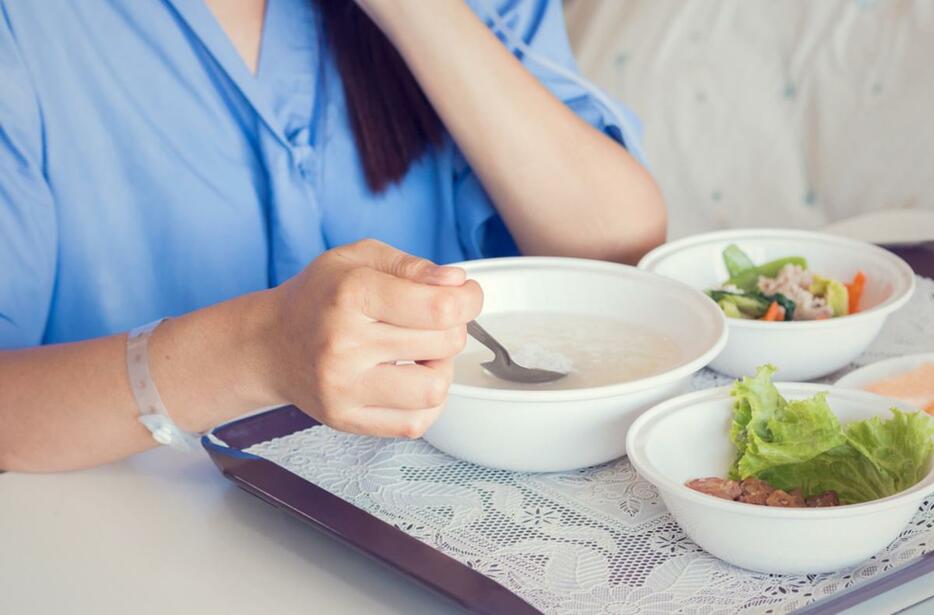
x,y
597,540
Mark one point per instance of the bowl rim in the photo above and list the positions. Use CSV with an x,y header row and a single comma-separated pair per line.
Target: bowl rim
x,y
861,376
904,286
635,448
682,370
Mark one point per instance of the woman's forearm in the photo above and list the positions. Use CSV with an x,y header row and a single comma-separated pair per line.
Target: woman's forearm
x,y
69,406
327,340
562,186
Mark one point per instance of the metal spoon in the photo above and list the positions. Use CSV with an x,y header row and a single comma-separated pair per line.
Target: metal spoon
x,y
502,365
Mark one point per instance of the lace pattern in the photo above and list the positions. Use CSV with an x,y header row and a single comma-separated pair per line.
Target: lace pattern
x,y
596,540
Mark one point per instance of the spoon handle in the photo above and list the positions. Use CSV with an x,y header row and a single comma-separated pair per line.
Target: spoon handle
x,y
481,335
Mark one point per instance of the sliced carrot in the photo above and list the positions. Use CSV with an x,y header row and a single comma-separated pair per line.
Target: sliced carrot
x,y
855,291
775,312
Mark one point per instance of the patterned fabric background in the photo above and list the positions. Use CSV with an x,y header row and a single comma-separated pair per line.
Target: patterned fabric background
x,y
760,112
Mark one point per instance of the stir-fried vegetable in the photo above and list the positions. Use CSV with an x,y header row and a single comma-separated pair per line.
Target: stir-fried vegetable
x,y
855,291
744,274
751,305
775,312
838,297
782,289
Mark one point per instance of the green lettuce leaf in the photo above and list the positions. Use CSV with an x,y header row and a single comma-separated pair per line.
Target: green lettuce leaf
x,y
842,469
796,432
801,444
900,446
757,400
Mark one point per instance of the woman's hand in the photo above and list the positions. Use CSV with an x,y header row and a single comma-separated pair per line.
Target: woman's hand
x,y
327,341
348,318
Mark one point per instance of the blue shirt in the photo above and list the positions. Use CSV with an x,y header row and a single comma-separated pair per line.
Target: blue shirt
x,y
145,172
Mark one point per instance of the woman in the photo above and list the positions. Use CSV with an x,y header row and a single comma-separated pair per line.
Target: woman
x,y
219,161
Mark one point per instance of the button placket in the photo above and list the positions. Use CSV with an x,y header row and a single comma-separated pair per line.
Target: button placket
x,y
304,158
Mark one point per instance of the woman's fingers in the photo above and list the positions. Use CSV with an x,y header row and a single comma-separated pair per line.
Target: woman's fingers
x,y
385,258
387,422
409,387
390,343
404,303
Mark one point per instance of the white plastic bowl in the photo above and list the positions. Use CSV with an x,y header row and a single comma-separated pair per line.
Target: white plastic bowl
x,y
687,438
802,350
555,430
869,374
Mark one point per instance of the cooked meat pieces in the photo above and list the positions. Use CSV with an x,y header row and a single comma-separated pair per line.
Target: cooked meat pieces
x,y
795,282
717,487
755,491
784,499
828,498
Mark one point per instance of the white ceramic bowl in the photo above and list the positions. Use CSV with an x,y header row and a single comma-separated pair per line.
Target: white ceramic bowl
x,y
553,430
802,350
687,437
864,376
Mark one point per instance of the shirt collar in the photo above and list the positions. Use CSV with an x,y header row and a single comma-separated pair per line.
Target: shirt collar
x,y
205,27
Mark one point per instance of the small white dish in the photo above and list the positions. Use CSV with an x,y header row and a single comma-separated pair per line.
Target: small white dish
x,y
864,376
557,430
802,350
892,226
687,438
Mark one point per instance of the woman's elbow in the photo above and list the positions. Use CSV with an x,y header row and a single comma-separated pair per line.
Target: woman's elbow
x,y
640,223
652,231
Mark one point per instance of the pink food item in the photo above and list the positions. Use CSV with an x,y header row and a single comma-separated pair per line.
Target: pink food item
x,y
915,387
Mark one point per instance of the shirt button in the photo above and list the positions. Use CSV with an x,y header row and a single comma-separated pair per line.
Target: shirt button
x,y
304,157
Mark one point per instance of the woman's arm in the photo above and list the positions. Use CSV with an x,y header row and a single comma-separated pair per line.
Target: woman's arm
x,y
562,186
325,340
68,406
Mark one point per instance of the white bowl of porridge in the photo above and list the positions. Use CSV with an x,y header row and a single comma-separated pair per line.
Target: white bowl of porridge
x,y
629,338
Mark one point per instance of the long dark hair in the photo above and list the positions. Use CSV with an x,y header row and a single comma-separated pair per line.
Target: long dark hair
x,y
393,122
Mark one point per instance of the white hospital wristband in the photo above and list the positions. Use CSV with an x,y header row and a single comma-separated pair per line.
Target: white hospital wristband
x,y
152,412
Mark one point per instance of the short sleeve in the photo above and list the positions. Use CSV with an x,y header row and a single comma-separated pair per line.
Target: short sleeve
x,y
27,218
539,24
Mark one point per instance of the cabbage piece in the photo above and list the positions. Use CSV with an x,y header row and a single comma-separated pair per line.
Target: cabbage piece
x,y
836,294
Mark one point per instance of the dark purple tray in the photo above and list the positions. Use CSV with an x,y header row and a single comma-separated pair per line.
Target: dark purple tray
x,y
382,541
429,567
362,531
919,255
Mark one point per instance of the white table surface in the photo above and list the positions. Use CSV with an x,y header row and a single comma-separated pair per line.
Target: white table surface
x,y
164,532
